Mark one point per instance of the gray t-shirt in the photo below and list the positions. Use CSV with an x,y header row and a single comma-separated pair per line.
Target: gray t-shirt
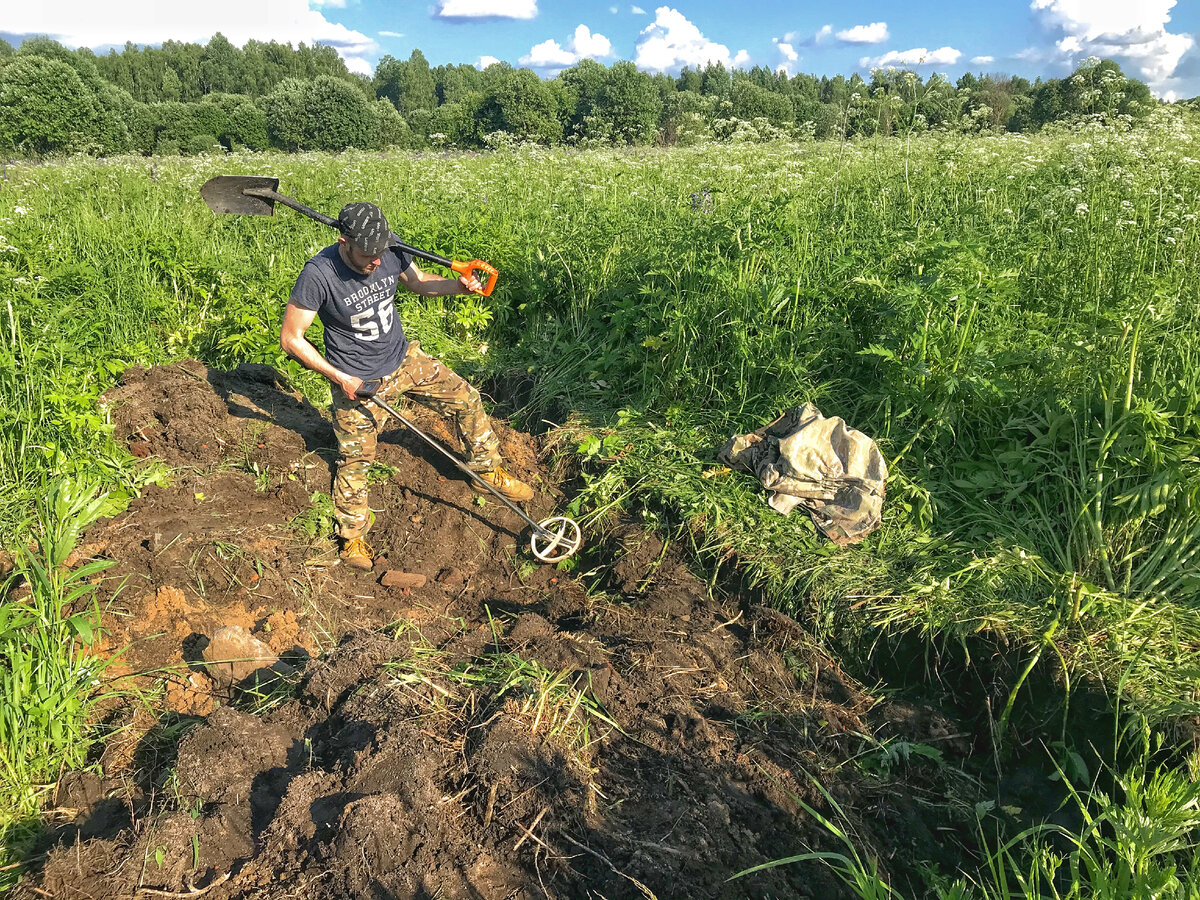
x,y
363,334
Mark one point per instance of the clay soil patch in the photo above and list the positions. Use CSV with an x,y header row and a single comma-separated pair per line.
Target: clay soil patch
x,y
505,730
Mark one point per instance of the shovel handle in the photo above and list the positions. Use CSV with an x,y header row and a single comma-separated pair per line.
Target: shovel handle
x,y
472,268
469,269
275,196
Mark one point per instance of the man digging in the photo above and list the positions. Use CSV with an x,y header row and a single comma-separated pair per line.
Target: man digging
x,y
352,286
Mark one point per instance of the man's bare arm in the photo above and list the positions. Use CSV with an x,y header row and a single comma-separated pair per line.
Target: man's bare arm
x,y
296,322
427,285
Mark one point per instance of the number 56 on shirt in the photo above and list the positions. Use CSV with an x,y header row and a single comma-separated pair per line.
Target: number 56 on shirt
x,y
365,326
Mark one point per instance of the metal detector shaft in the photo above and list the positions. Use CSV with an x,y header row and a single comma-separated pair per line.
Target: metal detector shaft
x,y
387,408
547,545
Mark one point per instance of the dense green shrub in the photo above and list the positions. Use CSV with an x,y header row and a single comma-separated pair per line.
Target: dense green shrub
x,y
284,110
457,122
752,102
393,130
337,116
141,121
325,114
248,127
631,103
523,106
202,143
45,107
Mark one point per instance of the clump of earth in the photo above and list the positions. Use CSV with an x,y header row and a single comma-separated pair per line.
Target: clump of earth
x,y
501,729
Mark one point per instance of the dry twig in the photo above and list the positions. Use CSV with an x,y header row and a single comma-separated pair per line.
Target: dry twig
x,y
529,831
192,890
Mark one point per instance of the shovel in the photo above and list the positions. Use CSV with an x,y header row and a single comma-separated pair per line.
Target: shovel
x,y
553,539
255,195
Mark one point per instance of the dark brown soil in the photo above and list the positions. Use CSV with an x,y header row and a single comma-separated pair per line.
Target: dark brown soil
x,y
225,543
505,730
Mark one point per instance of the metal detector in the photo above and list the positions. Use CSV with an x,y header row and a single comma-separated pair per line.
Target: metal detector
x,y
553,539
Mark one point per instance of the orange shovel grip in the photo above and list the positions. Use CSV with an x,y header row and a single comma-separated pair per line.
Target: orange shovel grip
x,y
470,269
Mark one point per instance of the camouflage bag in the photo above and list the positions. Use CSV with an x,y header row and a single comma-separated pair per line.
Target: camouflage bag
x,y
835,473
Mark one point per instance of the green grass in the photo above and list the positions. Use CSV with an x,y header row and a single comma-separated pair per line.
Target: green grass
x,y
1138,842
1015,319
49,680
555,704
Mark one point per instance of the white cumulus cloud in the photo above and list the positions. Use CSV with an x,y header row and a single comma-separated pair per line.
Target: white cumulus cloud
x,y
548,54
485,61
1133,33
391,34
485,9
875,33
918,56
84,23
823,35
982,60
637,10
787,55
673,42
582,45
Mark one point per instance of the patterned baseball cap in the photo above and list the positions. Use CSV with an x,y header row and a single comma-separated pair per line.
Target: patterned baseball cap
x,y
365,226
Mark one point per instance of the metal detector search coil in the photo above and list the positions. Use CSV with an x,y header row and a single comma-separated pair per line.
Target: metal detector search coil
x,y
556,545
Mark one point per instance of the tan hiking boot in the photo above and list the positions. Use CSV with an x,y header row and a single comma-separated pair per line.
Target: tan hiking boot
x,y
356,553
512,488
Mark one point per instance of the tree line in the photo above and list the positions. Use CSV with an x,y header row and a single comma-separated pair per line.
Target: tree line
x,y
193,98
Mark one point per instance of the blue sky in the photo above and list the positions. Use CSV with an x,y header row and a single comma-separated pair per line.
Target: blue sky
x,y
1155,40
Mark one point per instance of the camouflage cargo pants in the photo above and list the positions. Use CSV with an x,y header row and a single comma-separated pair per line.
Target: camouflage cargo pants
x,y
357,423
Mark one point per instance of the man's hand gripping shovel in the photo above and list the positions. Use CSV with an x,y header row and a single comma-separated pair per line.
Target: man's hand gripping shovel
x,y
552,540
255,195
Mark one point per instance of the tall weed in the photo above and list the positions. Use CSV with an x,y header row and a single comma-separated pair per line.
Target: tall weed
x,y
49,679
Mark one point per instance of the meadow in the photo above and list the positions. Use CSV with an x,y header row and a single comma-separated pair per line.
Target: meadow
x,y
1014,318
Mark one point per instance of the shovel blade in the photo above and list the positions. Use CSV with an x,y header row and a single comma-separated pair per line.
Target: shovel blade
x,y
226,194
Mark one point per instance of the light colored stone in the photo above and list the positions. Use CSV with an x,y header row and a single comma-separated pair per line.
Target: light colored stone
x,y
233,654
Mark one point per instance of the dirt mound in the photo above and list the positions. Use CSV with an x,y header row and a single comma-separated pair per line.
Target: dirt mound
x,y
240,537
512,732
559,742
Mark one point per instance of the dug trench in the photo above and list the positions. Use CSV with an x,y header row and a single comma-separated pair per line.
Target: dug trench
x,y
503,729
